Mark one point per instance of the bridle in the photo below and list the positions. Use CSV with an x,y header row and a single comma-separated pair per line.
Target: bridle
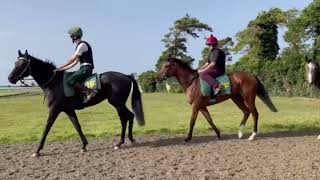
x,y
21,78
187,82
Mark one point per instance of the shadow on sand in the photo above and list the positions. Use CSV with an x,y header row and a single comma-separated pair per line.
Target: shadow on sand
x,y
171,141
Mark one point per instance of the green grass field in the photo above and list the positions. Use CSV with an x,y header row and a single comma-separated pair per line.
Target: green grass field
x,y
4,92
22,119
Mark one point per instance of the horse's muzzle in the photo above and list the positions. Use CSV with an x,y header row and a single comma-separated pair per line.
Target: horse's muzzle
x,y
161,78
12,79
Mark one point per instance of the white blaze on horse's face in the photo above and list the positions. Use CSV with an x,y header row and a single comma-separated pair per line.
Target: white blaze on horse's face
x,y
310,70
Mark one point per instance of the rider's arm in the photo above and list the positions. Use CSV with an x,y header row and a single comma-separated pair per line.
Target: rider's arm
x,y
75,58
71,63
213,59
205,65
210,65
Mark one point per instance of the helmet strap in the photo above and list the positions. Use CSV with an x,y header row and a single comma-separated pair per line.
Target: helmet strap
x,y
74,38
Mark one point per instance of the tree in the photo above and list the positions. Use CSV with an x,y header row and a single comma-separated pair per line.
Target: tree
x,y
162,59
148,81
177,37
260,39
305,28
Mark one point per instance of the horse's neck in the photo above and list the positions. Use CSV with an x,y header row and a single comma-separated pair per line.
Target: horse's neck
x,y
184,77
41,74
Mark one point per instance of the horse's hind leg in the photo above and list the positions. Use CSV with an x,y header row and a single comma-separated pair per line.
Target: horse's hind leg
x,y
250,101
130,117
127,114
238,100
206,114
74,119
123,118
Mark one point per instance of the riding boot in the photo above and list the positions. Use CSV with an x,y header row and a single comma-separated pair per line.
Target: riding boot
x,y
88,93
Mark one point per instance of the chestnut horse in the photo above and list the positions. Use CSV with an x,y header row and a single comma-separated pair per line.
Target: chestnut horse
x,y
244,89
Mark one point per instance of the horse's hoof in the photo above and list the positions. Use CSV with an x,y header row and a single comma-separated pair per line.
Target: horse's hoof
x,y
187,140
116,148
319,137
240,135
252,137
241,130
132,141
35,155
83,150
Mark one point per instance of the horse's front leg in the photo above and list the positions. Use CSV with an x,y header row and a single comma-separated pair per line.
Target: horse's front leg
x,y
74,119
53,114
195,111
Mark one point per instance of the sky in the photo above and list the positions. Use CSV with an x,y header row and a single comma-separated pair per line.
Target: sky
x,y
125,35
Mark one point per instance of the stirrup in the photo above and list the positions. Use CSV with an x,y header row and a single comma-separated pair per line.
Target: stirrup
x,y
89,96
217,90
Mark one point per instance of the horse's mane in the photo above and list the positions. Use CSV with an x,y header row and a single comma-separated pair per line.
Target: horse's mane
x,y
46,63
183,64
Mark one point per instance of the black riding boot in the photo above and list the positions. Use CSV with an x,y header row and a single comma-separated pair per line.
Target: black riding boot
x,y
88,93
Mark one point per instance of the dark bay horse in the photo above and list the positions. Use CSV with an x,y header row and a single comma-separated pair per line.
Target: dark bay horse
x,y
313,75
115,87
244,88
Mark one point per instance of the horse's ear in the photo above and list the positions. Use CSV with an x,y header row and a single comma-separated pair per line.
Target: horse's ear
x,y
19,53
26,53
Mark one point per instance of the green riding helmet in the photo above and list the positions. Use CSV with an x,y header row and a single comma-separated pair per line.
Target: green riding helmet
x,y
75,31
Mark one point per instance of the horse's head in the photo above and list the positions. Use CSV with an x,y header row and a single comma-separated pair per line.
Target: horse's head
x,y
168,69
312,71
21,67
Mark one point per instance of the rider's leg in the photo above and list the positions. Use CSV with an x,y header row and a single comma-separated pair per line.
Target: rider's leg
x,y
76,80
210,77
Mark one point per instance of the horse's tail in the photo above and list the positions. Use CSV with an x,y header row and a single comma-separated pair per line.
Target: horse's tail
x,y
136,102
264,96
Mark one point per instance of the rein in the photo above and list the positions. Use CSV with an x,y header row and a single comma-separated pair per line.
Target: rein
x,y
195,77
21,79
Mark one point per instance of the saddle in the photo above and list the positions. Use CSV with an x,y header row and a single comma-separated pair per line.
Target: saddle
x,y
207,90
92,82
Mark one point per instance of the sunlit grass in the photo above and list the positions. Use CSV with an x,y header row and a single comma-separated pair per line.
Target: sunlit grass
x,y
22,119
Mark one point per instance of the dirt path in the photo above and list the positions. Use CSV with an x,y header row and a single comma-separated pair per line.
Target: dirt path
x,y
272,157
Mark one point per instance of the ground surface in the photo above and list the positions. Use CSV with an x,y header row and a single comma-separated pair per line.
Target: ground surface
x,y
272,156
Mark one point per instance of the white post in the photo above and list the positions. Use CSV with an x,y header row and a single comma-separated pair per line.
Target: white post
x,y
168,87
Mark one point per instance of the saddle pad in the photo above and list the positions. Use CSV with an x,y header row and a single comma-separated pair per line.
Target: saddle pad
x,y
224,80
92,82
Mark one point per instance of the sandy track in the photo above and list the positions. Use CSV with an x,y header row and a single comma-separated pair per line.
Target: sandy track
x,y
276,156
